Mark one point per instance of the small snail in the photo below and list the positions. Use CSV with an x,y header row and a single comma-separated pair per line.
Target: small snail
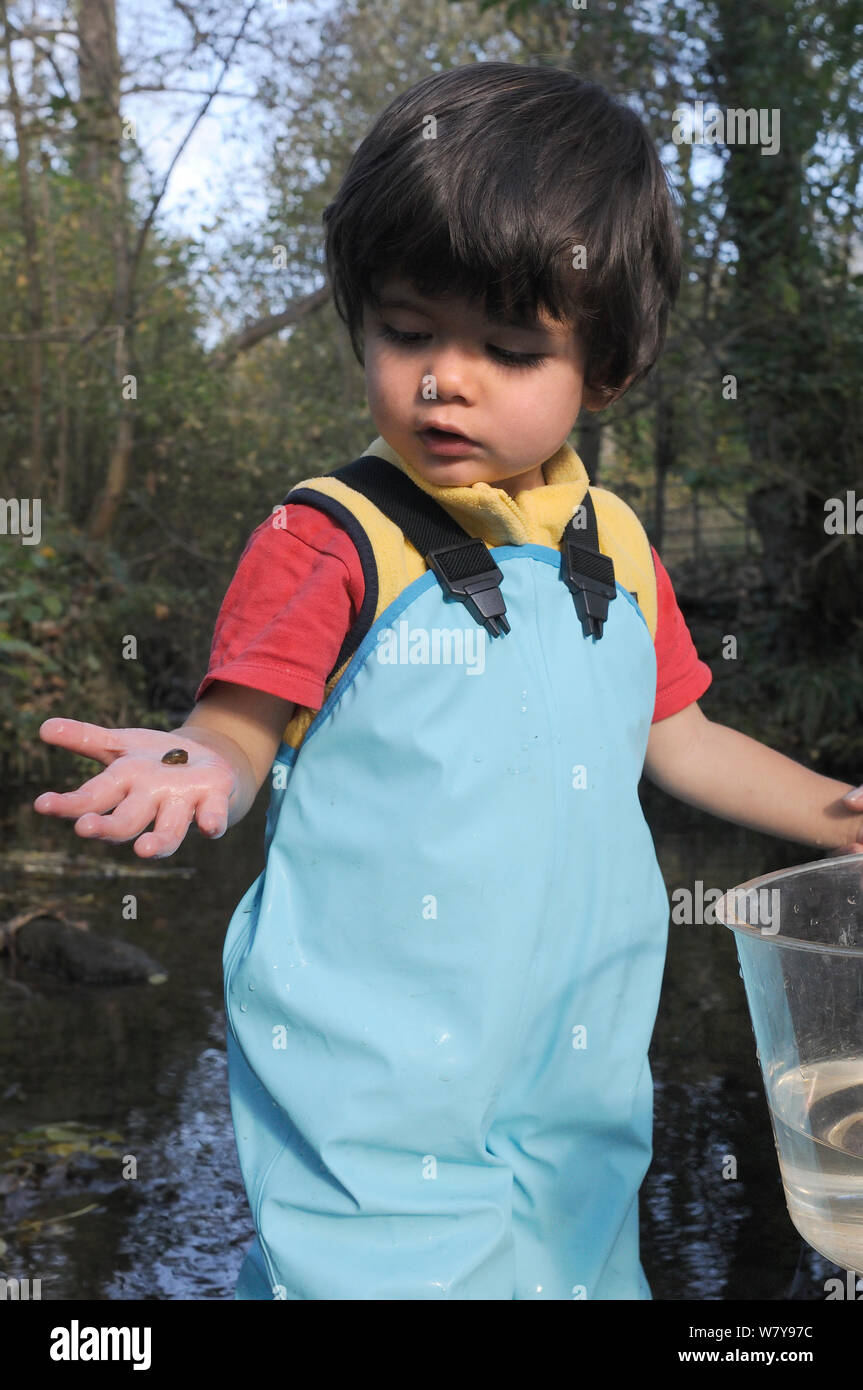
x,y
176,755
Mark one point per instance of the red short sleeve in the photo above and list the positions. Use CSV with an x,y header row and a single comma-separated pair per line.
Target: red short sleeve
x,y
296,592
299,587
681,677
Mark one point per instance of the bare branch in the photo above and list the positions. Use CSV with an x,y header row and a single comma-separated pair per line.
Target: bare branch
x,y
48,336
38,31
49,58
187,91
181,542
148,220
44,126
70,335
264,327
186,12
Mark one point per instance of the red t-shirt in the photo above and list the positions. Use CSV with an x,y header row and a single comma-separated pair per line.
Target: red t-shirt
x,y
299,587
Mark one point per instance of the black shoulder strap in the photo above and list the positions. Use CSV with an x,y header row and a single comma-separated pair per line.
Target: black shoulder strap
x,y
423,520
588,572
463,563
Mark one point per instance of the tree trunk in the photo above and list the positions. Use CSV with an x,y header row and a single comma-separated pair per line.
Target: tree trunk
x,y
33,481
119,462
61,456
97,112
590,443
100,165
663,459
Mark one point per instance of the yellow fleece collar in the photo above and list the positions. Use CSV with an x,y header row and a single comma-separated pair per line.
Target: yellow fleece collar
x,y
537,515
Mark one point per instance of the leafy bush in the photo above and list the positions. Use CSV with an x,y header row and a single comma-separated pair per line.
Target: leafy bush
x,y
68,613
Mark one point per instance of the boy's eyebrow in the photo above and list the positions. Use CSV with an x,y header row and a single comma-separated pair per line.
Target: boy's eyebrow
x,y
399,302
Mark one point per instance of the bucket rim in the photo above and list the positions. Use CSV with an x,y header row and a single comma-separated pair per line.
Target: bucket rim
x,y
793,943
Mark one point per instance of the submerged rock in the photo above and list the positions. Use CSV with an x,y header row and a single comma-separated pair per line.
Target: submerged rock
x,y
82,956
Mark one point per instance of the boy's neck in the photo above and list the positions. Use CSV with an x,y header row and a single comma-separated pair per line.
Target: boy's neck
x,y
536,514
524,482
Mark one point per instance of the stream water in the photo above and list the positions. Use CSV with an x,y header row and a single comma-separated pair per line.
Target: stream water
x,y
118,1173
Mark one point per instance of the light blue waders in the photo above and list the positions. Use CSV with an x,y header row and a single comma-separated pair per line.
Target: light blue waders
x,y
442,987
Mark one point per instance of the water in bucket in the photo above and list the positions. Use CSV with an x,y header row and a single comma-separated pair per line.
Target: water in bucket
x,y
799,935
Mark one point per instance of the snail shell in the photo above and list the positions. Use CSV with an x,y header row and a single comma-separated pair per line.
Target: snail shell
x,y
176,755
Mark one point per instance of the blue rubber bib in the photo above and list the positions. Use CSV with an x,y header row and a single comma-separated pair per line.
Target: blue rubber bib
x,y
441,989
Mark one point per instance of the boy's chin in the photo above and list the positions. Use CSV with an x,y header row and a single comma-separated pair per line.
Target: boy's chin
x,y
459,472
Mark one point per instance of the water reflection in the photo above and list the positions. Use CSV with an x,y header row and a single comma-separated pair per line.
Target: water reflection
x,y
188,1234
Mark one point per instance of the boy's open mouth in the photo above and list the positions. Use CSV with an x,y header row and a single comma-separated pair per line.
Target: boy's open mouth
x,y
435,434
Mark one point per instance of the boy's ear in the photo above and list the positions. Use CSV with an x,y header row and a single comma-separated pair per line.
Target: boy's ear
x,y
595,398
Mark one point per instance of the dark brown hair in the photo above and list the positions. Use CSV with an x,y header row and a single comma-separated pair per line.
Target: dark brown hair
x,y
526,164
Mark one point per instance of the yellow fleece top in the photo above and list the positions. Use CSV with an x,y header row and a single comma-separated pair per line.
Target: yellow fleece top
x,y
535,516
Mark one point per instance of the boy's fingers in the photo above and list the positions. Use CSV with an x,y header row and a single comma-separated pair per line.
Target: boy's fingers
x,y
212,815
172,821
102,793
133,815
90,739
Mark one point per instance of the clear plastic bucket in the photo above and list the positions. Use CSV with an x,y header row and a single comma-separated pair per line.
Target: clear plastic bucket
x,y
799,935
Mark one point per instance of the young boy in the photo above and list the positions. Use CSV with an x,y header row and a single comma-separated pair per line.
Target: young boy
x,y
442,986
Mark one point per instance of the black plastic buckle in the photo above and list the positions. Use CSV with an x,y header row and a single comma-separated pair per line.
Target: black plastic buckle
x,y
467,572
590,576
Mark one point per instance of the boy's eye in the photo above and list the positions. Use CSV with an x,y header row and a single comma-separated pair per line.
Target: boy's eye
x,y
509,359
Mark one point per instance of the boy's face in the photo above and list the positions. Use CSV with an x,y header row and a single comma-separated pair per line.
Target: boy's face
x,y
452,371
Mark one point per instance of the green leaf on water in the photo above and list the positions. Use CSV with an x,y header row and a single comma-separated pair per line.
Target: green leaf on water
x,y
62,1139
60,1132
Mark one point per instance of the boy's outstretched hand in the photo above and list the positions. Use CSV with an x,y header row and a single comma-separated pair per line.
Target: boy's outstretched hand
x,y
138,787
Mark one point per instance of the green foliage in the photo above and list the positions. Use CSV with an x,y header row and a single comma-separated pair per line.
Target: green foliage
x,y
66,607
813,714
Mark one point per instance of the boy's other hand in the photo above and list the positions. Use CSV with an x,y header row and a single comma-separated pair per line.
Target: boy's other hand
x,y
854,801
138,788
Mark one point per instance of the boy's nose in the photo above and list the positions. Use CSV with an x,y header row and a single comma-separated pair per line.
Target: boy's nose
x,y
452,370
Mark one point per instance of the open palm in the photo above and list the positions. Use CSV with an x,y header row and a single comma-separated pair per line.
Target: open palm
x,y
137,788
